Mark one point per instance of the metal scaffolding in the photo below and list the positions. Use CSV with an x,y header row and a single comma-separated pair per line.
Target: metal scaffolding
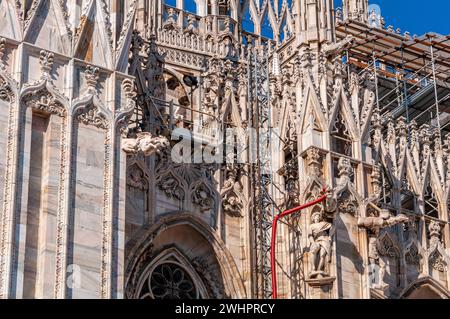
x,y
264,207
411,73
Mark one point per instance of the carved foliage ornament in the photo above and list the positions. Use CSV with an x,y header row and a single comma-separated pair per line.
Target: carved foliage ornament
x,y
92,76
413,256
44,101
171,186
347,203
128,88
386,247
92,116
2,52
6,94
314,162
46,60
437,261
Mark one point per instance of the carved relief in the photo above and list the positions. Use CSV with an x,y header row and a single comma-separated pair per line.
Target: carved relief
x,y
412,256
46,60
437,255
136,178
44,101
231,203
171,186
92,116
437,261
202,197
6,93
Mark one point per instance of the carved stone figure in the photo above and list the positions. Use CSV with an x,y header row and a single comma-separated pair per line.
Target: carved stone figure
x,y
231,203
145,143
320,234
335,49
202,197
385,220
375,224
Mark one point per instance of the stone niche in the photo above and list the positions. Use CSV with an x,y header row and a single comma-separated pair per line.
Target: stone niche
x,y
89,162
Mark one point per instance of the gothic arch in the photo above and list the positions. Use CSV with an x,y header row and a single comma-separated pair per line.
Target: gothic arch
x,y
231,109
312,104
175,84
56,101
171,256
425,288
411,174
342,106
142,247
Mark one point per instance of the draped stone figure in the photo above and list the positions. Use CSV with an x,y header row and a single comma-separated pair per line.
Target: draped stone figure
x,y
320,249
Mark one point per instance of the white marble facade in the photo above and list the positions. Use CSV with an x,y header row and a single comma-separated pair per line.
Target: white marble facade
x,y
85,212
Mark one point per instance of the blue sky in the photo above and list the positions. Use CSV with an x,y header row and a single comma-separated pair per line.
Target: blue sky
x,y
408,15
415,16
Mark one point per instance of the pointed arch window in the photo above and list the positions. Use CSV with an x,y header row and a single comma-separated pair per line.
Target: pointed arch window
x,y
169,281
430,202
170,276
407,196
386,187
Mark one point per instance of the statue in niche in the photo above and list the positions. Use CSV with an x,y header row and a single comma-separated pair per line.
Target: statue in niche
x,y
320,234
374,224
145,144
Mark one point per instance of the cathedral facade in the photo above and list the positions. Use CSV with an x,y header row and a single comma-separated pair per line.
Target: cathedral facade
x,y
147,146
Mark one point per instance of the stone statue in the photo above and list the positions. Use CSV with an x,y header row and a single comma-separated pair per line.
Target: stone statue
x,y
320,234
336,48
375,225
145,143
385,220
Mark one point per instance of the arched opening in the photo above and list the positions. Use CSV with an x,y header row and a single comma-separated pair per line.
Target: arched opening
x,y
424,292
425,288
170,276
341,141
180,258
430,201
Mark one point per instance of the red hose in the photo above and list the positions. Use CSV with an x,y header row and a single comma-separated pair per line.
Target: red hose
x,y
274,235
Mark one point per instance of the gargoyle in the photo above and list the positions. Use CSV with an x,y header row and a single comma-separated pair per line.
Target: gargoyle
x,y
145,143
334,49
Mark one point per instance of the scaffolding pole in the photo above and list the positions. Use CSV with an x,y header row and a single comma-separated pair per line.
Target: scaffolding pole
x,y
433,66
263,208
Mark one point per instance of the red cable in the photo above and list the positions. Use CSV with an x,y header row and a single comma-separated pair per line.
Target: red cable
x,y
274,234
